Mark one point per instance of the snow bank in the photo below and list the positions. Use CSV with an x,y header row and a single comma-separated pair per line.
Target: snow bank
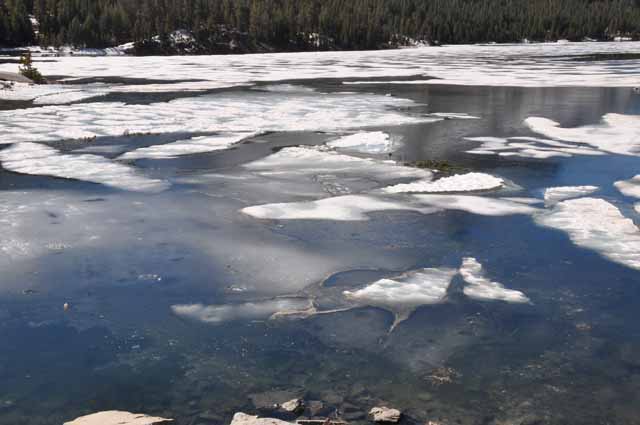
x,y
619,134
260,310
481,288
553,195
598,225
376,142
37,159
458,183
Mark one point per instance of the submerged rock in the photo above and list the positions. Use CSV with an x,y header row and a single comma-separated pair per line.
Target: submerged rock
x,y
244,419
115,417
275,399
385,414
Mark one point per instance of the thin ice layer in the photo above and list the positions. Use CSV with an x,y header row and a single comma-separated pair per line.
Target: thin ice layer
x,y
37,159
619,134
260,310
458,183
480,288
376,142
553,195
597,225
403,294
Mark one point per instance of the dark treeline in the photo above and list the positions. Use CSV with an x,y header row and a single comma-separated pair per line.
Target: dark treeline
x,y
343,24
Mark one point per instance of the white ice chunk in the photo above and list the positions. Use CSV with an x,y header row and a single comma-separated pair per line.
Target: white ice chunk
x,y
629,187
191,146
458,183
258,310
376,142
616,133
403,294
553,195
339,208
481,288
37,159
598,225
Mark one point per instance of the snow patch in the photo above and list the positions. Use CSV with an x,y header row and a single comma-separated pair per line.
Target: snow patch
x,y
480,288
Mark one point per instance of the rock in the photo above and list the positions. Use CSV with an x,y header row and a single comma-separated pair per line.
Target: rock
x,y
384,414
244,419
293,406
115,417
273,399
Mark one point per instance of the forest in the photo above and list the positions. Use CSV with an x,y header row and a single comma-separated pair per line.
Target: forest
x,y
313,24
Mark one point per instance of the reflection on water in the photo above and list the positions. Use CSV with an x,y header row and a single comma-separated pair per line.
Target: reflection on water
x,y
123,259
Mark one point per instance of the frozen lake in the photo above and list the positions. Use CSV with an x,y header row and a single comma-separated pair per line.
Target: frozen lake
x,y
452,231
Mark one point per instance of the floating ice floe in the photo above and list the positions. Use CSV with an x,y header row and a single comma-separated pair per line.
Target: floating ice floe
x,y
37,159
115,417
376,142
637,207
619,134
481,288
403,294
356,207
475,204
339,208
454,115
630,187
528,147
310,161
553,195
194,145
224,112
458,183
259,310
49,94
598,225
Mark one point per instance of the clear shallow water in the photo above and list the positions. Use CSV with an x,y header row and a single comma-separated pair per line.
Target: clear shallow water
x,y
123,259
